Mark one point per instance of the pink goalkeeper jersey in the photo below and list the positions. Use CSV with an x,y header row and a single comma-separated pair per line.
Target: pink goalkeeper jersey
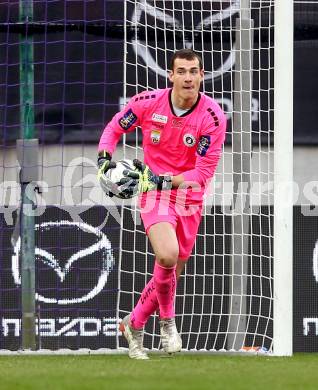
x,y
190,144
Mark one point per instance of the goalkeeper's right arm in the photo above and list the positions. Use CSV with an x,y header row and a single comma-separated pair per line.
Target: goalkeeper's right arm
x,y
104,164
123,122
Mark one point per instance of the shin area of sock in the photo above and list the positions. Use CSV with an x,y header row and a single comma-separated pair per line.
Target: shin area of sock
x,y
146,306
165,286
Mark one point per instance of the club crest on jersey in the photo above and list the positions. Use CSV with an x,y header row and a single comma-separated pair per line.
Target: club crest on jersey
x,y
127,120
159,118
204,144
189,140
155,136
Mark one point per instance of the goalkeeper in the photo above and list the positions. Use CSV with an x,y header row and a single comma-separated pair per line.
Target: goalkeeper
x,y
183,132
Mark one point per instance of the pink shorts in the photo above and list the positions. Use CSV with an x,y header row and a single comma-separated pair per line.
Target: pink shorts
x,y
184,219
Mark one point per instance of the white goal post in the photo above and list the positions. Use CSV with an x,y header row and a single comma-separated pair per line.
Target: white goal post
x,y
236,292
283,174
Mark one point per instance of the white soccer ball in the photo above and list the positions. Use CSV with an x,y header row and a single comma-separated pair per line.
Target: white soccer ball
x,y
111,181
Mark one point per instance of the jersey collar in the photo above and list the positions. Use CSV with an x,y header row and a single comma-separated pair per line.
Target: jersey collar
x,y
189,111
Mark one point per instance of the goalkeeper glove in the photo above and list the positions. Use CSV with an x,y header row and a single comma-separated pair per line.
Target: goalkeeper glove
x,y
146,180
104,163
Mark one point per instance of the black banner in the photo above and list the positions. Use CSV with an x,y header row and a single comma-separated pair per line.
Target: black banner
x,y
305,280
77,281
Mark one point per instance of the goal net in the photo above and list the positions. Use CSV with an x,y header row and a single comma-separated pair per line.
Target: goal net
x,y
225,297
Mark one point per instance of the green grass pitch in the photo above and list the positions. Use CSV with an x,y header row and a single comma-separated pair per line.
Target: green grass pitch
x,y
181,372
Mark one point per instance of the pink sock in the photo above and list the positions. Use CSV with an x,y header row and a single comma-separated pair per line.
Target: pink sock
x,y
146,306
165,284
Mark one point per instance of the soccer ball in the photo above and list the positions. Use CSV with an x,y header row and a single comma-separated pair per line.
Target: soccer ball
x,y
110,181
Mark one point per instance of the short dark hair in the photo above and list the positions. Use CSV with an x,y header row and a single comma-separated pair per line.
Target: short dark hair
x,y
186,54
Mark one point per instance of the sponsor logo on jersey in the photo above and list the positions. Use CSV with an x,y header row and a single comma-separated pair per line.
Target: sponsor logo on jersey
x,y
203,145
159,118
155,136
127,120
189,140
176,123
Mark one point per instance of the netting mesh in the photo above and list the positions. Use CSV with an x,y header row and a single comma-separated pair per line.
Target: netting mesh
x,y
224,299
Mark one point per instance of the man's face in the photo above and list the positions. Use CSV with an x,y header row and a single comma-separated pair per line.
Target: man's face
x,y
186,77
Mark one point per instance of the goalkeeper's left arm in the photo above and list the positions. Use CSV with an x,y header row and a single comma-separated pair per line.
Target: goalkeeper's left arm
x,y
146,180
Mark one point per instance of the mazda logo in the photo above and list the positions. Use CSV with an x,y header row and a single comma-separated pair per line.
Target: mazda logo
x,y
96,262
